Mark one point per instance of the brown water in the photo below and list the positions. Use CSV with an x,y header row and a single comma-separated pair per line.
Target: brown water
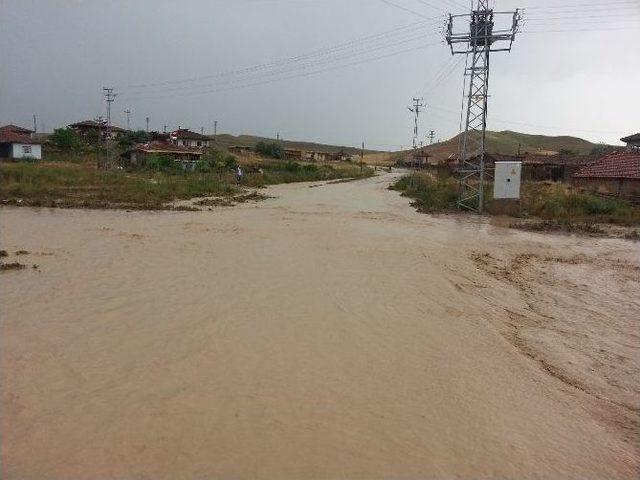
x,y
331,332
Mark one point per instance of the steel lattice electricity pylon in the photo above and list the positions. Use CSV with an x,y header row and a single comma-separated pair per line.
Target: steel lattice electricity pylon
x,y
478,42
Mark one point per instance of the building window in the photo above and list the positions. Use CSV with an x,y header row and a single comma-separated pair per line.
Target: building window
x,y
199,143
26,149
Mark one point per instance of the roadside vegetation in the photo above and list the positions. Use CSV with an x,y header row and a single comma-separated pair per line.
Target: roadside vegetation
x,y
74,180
543,205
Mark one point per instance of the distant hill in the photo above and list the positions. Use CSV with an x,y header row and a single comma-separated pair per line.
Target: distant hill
x,y
508,142
226,141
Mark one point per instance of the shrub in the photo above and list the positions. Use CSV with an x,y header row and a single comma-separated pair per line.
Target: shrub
x,y
431,195
163,163
270,149
129,138
66,139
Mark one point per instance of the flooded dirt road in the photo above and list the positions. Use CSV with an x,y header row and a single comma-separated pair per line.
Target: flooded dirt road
x,y
330,332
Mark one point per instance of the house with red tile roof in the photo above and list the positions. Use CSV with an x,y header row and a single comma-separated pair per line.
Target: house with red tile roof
x,y
186,138
99,127
19,143
617,173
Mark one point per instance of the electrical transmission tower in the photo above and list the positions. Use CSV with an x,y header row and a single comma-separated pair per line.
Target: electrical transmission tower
x,y
110,97
479,39
418,104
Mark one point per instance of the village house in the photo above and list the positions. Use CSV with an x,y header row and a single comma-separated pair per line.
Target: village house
x,y
139,154
632,141
617,173
319,156
294,154
187,138
558,168
419,159
98,128
242,150
341,156
19,143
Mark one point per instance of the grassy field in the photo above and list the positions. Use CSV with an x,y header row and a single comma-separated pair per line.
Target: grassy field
x,y
66,184
559,205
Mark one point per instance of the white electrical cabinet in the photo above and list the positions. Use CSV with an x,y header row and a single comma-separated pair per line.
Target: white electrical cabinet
x,y
507,180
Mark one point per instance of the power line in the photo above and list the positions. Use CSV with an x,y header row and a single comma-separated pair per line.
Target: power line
x,y
400,7
298,58
582,6
293,68
302,75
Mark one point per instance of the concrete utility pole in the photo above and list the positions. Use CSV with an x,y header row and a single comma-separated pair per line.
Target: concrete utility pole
x,y
147,120
362,158
128,113
478,40
432,135
110,97
418,103
215,129
35,124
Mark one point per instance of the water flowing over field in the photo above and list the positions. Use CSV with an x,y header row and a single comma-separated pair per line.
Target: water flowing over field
x,y
326,332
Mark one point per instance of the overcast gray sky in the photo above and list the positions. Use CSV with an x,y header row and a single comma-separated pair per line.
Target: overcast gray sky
x,y
334,71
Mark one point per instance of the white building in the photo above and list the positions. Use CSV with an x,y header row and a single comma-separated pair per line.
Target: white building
x,y
187,138
18,143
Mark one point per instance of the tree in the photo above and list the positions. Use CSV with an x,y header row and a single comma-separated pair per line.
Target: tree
x,y
600,149
66,139
567,151
270,149
92,137
130,138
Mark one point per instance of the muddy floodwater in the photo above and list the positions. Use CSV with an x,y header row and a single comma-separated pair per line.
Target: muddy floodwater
x,y
328,332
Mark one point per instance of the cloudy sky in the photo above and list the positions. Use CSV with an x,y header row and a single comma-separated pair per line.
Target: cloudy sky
x,y
334,71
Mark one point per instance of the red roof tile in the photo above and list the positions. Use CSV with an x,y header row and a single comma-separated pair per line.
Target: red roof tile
x,y
183,133
15,129
8,136
615,165
94,124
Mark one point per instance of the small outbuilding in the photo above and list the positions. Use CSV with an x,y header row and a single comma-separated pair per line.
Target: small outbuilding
x,y
615,174
19,143
139,155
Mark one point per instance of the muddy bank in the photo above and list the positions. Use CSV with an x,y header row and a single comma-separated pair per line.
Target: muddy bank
x,y
328,332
